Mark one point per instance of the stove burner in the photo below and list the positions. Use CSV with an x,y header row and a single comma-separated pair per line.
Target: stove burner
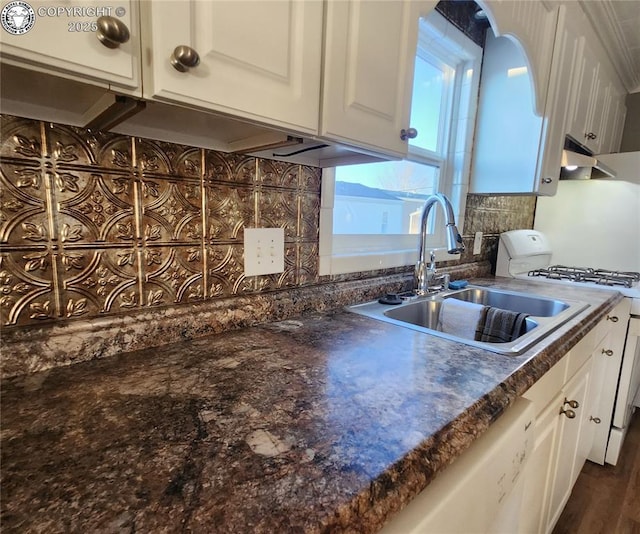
x,y
587,274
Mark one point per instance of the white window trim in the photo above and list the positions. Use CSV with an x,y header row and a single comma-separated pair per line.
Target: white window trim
x,y
454,169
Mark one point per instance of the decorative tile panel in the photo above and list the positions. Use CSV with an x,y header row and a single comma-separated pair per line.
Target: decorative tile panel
x,y
95,207
279,209
27,288
225,272
96,281
229,167
173,275
24,204
278,173
229,209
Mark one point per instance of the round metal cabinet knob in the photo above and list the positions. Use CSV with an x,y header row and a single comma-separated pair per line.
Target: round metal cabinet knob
x,y
410,133
612,318
184,58
596,420
112,32
569,413
547,180
608,352
573,403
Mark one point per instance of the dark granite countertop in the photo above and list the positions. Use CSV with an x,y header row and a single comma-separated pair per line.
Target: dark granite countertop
x,y
327,423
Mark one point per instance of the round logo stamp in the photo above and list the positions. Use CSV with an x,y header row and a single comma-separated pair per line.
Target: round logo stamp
x,y
17,17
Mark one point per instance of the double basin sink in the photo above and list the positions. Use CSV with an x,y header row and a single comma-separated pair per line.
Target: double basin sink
x,y
422,314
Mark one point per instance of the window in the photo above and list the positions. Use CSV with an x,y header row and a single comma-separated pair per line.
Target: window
x,y
371,212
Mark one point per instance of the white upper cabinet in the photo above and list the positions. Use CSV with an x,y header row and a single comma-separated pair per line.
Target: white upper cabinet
x,y
516,149
74,39
597,111
565,52
370,49
258,60
586,118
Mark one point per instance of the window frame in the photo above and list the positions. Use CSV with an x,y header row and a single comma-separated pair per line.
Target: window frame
x,y
341,254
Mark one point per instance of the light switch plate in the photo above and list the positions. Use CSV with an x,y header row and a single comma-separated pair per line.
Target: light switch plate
x,y
263,251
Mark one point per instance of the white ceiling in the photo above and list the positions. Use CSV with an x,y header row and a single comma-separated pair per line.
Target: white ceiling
x,y
617,23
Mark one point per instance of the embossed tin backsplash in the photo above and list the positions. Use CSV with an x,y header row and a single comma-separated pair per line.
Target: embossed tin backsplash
x,y
96,224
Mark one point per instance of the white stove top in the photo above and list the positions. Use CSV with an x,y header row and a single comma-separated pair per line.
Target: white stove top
x,y
528,254
631,292
628,283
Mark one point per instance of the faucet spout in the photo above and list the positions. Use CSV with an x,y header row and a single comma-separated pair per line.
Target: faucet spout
x,y
424,276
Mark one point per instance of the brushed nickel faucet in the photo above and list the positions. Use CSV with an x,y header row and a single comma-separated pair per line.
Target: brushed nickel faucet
x,y
426,279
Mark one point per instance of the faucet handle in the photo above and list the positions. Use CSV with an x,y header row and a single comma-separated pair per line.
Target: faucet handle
x,y
432,256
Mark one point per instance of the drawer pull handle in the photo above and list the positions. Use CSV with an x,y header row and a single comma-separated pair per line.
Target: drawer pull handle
x,y
569,413
608,352
596,420
612,318
573,403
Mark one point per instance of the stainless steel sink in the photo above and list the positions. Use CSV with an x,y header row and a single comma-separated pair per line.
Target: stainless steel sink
x,y
507,300
545,315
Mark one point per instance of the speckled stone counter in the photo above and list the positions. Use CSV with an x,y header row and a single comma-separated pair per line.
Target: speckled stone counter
x,y
330,422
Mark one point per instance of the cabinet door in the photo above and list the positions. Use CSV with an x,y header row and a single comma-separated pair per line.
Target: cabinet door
x,y
574,443
585,93
259,60
613,122
370,49
594,134
539,471
565,55
63,41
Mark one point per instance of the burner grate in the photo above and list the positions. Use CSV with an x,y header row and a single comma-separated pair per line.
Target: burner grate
x,y
586,274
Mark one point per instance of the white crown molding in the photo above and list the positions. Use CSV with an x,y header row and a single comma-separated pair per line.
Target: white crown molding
x,y
602,18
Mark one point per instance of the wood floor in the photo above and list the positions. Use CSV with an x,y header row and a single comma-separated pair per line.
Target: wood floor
x,y
606,499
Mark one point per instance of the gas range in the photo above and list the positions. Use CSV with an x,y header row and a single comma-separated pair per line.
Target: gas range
x,y
603,277
528,253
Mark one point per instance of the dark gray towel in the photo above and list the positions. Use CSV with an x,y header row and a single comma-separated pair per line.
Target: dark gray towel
x,y
501,326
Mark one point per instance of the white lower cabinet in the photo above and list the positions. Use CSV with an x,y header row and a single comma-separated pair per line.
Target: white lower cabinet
x,y
565,399
481,492
539,473
574,441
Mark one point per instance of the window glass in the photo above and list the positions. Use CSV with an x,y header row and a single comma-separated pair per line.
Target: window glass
x,y
429,104
381,198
